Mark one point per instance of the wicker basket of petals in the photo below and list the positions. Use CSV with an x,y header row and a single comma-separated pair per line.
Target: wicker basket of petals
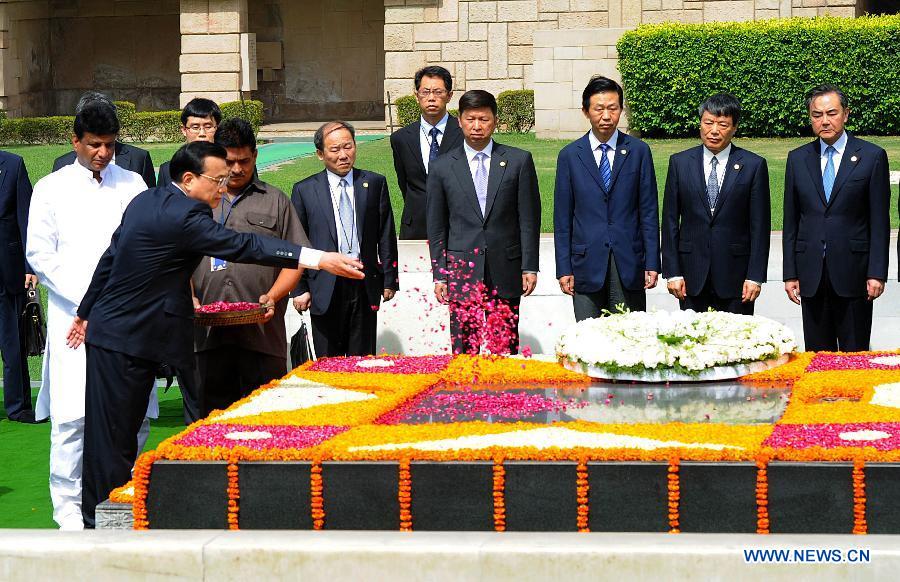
x,y
223,313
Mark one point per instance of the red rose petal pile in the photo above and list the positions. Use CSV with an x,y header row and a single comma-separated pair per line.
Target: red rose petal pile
x,y
225,306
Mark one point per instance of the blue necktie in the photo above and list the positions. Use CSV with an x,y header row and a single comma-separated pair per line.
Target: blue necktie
x,y
434,145
828,174
348,221
605,170
712,184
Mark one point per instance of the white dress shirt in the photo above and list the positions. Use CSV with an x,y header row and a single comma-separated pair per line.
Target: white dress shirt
x,y
721,164
610,153
334,185
425,137
840,145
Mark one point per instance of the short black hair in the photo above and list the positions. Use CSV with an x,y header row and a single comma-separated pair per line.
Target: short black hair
x,y
328,127
236,133
820,90
476,99
600,84
97,118
722,105
191,157
93,97
434,71
200,107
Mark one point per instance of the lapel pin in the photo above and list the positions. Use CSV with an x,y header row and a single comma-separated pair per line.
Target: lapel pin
x,y
502,164
365,184
737,166
623,152
853,159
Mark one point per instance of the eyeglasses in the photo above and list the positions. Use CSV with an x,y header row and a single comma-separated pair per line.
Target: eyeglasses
x,y
207,128
221,182
436,92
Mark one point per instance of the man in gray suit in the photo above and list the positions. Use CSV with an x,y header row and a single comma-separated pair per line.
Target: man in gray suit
x,y
483,212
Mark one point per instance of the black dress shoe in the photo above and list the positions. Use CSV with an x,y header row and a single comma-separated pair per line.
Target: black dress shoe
x,y
25,417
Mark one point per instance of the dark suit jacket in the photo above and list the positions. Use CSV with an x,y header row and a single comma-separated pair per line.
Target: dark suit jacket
x,y
139,300
727,246
127,156
505,239
589,224
411,175
15,200
375,223
164,178
853,228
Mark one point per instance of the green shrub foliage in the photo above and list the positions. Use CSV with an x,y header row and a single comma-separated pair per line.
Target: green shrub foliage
x,y
516,111
769,65
407,110
250,110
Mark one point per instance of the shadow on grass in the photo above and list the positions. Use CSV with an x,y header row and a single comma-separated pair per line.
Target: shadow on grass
x,y
4,491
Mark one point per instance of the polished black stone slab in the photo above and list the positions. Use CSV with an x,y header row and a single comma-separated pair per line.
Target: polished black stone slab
x,y
361,496
188,495
628,497
274,496
452,496
541,496
812,498
719,498
882,498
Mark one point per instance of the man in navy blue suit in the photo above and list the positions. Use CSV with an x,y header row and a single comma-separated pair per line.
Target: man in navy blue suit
x,y
605,211
716,217
15,199
836,227
348,209
139,304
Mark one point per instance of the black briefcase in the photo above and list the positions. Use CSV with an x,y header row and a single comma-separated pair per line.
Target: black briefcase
x,y
301,347
34,326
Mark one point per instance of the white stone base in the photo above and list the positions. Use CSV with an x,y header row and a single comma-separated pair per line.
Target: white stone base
x,y
29,555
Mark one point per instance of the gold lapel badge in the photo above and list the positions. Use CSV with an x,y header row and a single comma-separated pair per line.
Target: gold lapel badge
x,y
853,158
737,166
623,152
502,164
365,184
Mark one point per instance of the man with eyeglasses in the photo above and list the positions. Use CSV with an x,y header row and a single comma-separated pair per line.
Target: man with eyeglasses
x,y
74,211
137,311
199,120
125,156
418,144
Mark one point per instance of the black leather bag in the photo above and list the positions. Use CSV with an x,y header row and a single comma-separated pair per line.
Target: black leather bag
x,y
301,347
33,324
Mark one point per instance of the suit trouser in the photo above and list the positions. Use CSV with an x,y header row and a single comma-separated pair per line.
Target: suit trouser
x,y
228,373
349,325
468,321
613,293
118,391
707,298
189,384
832,322
16,382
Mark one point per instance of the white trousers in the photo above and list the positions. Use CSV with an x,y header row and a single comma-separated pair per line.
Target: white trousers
x,y
66,456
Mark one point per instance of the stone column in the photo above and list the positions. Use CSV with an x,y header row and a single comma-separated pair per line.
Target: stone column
x,y
210,62
9,81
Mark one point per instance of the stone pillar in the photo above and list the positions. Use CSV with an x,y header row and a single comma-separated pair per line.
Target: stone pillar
x,y
564,61
210,62
9,65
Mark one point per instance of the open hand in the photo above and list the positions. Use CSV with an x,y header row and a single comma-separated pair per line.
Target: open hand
x,y
77,333
342,266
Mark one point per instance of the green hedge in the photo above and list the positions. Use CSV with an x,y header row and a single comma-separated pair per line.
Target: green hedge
x,y
515,110
136,126
669,69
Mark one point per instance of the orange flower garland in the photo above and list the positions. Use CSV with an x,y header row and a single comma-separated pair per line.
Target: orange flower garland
x,y
404,494
499,495
141,478
860,526
122,494
316,498
674,495
234,493
762,495
582,488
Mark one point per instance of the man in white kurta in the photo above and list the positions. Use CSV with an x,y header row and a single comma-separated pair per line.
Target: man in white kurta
x,y
73,216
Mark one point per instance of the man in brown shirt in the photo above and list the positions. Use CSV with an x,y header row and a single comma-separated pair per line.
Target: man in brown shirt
x,y
232,361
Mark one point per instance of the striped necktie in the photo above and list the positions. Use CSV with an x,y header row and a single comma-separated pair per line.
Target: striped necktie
x,y
605,169
434,146
712,184
828,174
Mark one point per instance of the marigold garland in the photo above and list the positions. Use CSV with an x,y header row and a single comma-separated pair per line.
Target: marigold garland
x,y
674,489
404,495
499,494
123,494
316,497
234,494
582,489
762,495
860,525
141,478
